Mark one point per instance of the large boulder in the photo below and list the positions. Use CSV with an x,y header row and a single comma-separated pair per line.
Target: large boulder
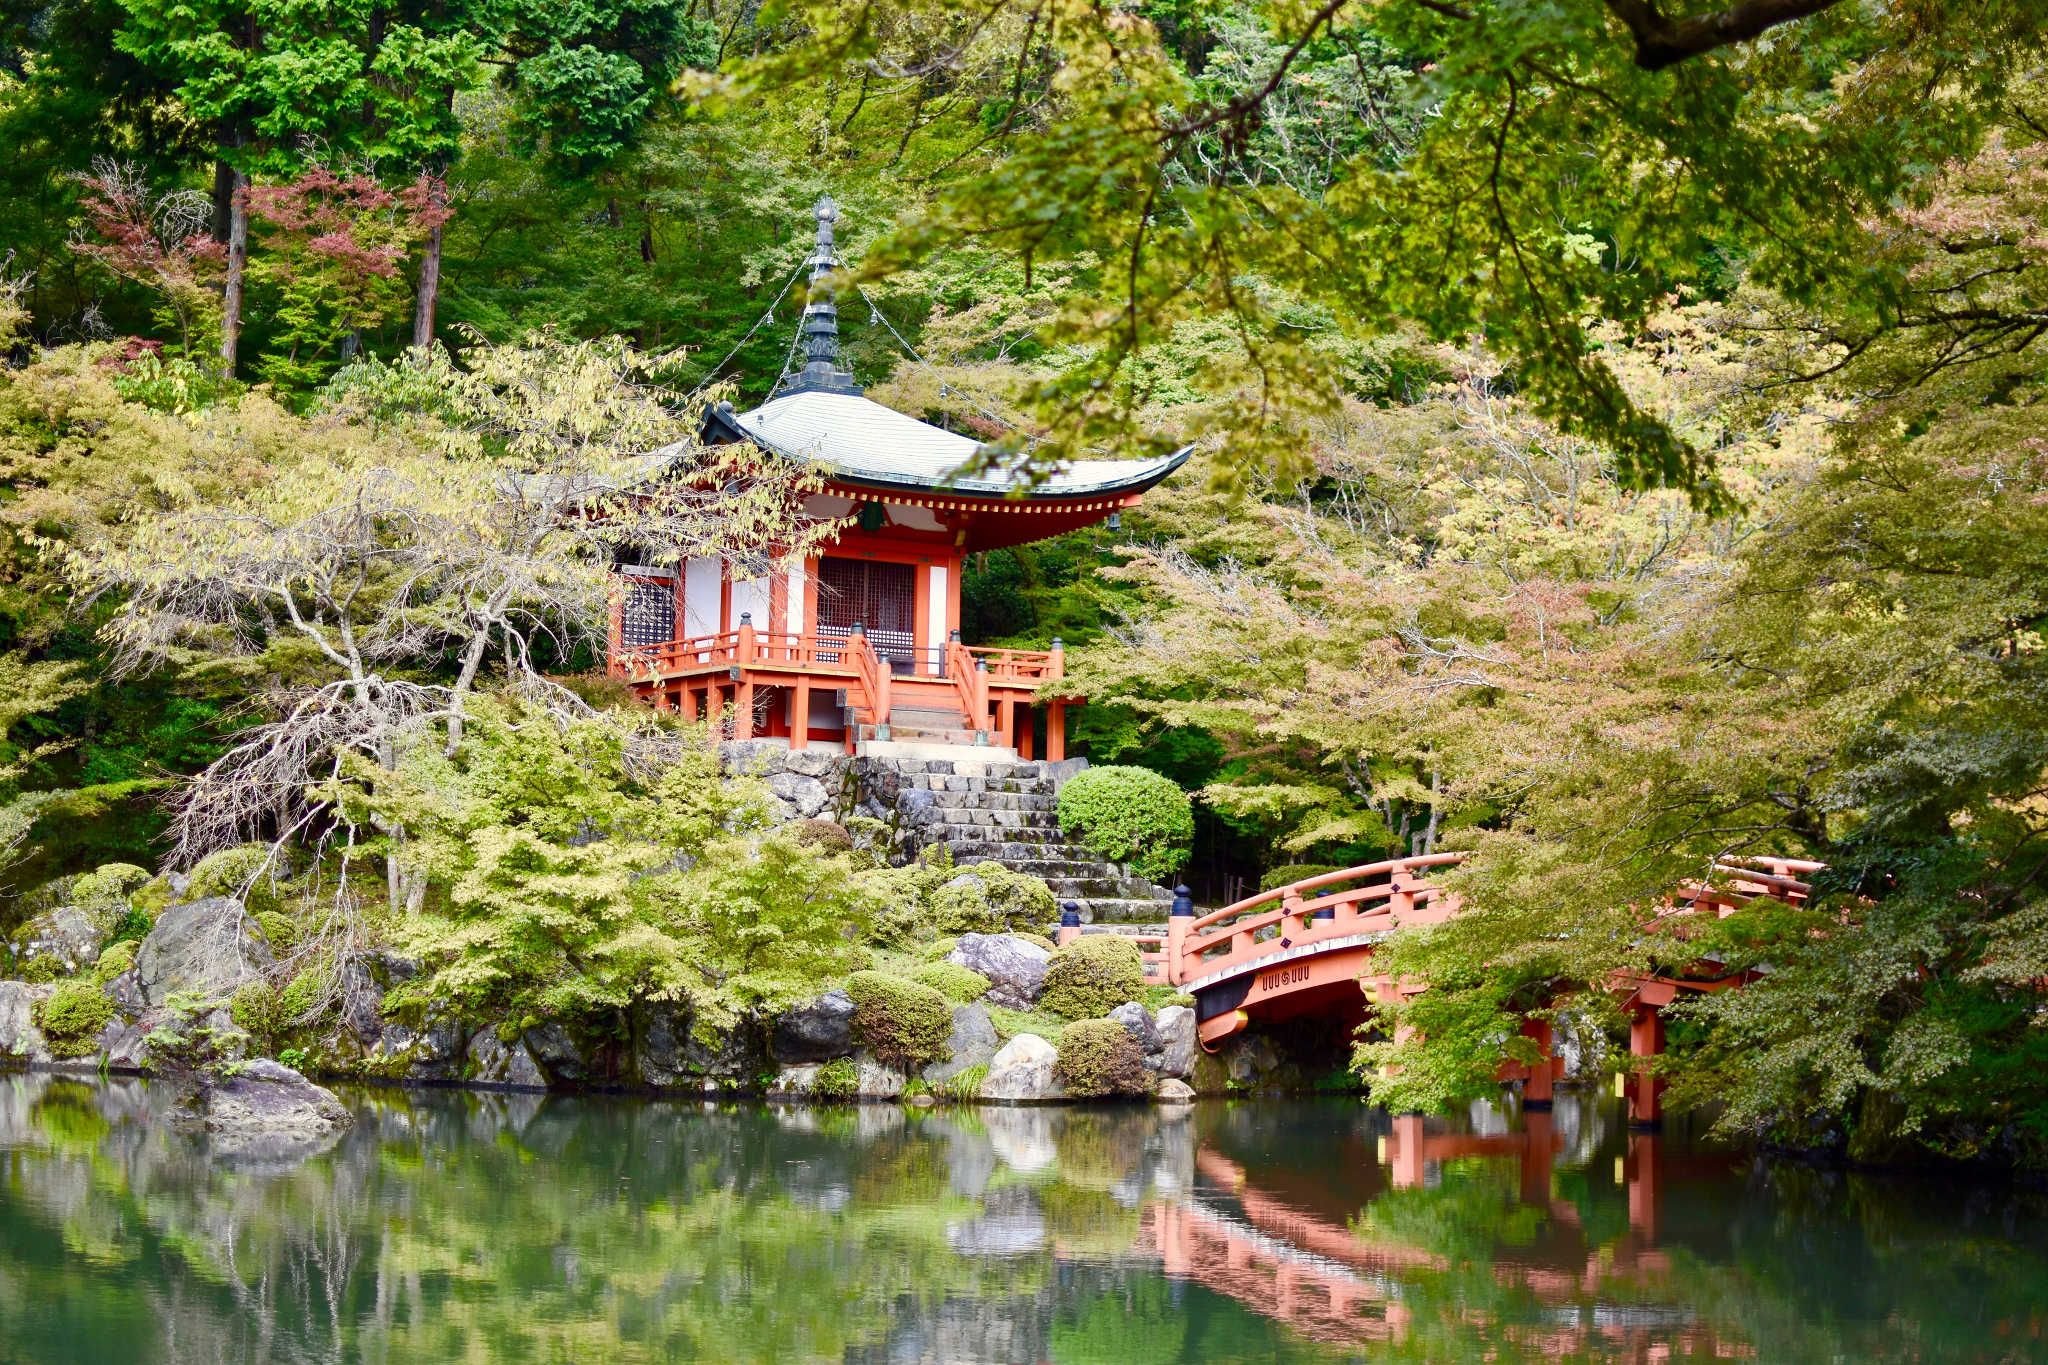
x,y
208,948
561,1056
269,1112
1137,1022
66,939
815,1032
1173,1092
806,796
972,1043
1015,967
495,1062
1173,1034
20,1039
1022,1072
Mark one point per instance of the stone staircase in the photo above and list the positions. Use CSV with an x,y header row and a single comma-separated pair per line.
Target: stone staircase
x,y
985,805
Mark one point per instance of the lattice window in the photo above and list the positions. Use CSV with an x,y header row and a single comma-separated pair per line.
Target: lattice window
x,y
882,597
649,615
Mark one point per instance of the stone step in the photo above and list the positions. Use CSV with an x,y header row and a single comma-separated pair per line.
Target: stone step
x,y
1011,826
991,763
974,784
1133,914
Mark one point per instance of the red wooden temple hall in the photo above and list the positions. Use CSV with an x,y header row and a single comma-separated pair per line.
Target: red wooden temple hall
x,y
861,647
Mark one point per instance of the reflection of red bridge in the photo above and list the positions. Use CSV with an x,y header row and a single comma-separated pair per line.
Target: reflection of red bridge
x,y
1329,1281
1307,949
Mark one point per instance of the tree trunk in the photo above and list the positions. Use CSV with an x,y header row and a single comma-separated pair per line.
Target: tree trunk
x,y
238,265
429,295
223,200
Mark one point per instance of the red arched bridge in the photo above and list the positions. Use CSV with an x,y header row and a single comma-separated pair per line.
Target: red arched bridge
x,y
1306,949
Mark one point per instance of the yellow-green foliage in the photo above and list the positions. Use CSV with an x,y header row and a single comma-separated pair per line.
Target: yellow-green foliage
x,y
117,958
932,897
258,1011
103,892
73,1016
1129,815
836,1080
903,1023
249,874
1098,1058
1093,975
828,836
572,877
279,928
302,995
957,983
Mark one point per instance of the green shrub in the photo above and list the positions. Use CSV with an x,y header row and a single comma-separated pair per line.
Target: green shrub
x,y
1098,1057
905,1024
1131,816
1289,873
1093,975
1041,940
117,958
133,926
827,836
962,985
836,1080
257,1009
988,898
73,1016
965,1086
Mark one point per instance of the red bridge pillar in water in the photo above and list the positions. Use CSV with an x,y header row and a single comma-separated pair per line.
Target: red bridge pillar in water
x,y
1645,1041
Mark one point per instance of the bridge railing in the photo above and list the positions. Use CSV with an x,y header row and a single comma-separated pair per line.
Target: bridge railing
x,y
1357,900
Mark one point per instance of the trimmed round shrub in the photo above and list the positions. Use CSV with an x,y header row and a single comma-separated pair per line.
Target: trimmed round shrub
x,y
905,1024
73,1016
962,985
1131,816
1093,975
1289,873
827,836
1098,1057
988,898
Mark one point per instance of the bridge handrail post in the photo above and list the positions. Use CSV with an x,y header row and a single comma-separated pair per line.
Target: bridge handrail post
x,y
1177,921
1401,897
1070,923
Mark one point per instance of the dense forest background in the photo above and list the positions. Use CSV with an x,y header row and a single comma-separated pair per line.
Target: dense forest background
x,y
1619,430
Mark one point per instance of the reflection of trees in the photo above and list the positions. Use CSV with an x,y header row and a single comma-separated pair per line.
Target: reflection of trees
x,y
452,1226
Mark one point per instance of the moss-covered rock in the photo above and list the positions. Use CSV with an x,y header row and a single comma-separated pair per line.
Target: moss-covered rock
x,y
902,1022
118,958
1098,1058
72,1017
103,892
962,985
1093,975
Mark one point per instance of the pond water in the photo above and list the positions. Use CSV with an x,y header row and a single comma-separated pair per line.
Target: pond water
x,y
453,1226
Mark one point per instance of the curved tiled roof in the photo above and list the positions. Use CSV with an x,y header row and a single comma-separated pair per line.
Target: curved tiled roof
x,y
862,442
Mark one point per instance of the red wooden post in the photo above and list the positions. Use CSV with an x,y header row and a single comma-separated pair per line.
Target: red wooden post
x,y
747,638
1639,1170
1645,1040
1020,712
1410,1166
1056,732
1541,1071
1538,1145
1070,924
800,714
615,597
714,707
686,701
1177,921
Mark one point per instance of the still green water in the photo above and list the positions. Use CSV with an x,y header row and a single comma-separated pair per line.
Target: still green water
x,y
450,1226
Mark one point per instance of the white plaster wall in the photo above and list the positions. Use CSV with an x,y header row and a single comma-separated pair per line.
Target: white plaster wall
x,y
795,612
751,595
935,611
700,598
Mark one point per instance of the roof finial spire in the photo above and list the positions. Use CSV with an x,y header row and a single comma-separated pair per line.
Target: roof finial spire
x,y
822,371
